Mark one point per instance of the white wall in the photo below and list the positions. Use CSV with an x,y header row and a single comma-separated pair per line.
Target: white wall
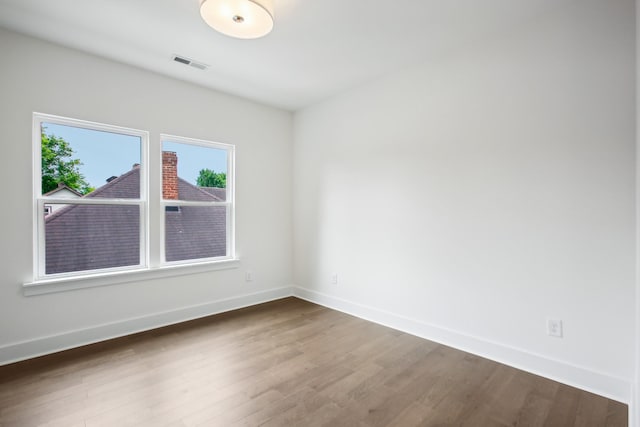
x,y
38,76
471,198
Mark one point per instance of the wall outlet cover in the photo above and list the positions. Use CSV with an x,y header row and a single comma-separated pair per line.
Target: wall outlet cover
x,y
554,328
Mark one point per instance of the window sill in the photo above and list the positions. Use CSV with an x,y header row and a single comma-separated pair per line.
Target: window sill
x,y
48,286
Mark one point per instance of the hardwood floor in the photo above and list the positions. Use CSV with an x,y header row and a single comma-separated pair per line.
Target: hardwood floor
x,y
285,363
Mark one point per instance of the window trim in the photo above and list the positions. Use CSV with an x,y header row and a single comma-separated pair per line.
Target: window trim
x,y
149,268
63,284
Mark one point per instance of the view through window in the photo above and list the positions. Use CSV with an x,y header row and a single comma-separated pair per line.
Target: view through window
x,y
91,195
92,200
195,197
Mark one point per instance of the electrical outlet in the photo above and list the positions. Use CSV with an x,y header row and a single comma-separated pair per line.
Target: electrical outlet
x,y
248,277
554,328
334,279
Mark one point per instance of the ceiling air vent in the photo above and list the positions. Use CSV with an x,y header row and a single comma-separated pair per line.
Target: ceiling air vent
x,y
190,62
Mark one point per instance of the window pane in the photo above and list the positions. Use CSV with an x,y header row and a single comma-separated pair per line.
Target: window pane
x,y
193,232
193,172
90,237
78,162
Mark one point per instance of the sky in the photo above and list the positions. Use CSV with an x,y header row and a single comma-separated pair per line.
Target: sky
x,y
106,154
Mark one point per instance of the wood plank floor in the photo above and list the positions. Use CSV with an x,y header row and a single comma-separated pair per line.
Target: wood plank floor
x,y
285,363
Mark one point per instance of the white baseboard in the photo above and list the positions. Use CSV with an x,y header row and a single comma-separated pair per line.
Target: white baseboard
x,y
50,344
596,382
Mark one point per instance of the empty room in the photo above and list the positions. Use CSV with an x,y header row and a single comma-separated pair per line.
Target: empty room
x,y
319,213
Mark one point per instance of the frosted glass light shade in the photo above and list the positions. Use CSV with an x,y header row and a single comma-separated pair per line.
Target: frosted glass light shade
x,y
243,19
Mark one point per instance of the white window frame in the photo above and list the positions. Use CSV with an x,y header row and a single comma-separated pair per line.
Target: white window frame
x,y
39,200
150,266
229,203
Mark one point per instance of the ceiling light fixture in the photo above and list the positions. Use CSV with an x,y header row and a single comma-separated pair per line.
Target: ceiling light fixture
x,y
243,19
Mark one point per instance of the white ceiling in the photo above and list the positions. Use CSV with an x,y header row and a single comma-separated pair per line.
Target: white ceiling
x,y
317,49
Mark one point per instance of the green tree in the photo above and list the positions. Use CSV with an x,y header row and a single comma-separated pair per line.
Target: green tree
x,y
59,167
209,178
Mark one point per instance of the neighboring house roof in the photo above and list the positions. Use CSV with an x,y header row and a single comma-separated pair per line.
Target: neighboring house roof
x,y
89,237
191,192
126,186
195,232
62,187
220,193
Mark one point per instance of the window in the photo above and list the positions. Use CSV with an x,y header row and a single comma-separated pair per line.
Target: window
x,y
85,224
197,194
92,205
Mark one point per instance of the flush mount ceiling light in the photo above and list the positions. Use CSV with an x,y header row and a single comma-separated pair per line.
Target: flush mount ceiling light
x,y
243,19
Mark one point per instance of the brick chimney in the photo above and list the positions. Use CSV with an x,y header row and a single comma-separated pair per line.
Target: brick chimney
x,y
169,175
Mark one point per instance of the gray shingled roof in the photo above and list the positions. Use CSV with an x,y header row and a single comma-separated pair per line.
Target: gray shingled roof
x,y
220,193
86,237
195,232
126,186
190,192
